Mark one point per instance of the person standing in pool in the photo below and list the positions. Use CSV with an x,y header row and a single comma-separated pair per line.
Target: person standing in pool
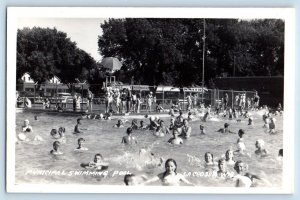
x,y
186,130
26,127
77,129
129,139
170,177
175,139
179,120
260,151
56,149
80,145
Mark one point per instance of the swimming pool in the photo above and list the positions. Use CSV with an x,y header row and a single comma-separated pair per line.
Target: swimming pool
x,y
34,163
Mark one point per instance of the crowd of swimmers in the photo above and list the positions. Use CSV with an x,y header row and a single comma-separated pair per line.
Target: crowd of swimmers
x,y
179,131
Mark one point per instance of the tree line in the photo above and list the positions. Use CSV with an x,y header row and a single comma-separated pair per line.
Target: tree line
x,y
158,51
169,51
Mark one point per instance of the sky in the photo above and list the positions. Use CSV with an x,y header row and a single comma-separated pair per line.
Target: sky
x,y
83,31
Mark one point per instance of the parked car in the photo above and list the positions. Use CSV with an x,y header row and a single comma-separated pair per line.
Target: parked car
x,y
62,97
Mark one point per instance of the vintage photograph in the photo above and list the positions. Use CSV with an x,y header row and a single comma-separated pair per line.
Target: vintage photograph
x,y
137,99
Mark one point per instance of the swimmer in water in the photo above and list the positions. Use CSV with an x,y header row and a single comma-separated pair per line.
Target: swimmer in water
x,y
179,120
222,171
143,126
272,126
161,130
98,163
153,124
56,148
189,118
250,121
77,129
243,178
209,159
225,129
185,130
240,143
26,127
260,151
134,124
175,139
132,179
229,157
170,177
172,125
202,130
129,139
80,145
154,161
206,115
119,124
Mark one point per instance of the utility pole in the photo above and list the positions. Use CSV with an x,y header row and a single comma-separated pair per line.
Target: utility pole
x,y
203,55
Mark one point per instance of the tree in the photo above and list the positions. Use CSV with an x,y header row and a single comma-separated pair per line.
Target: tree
x,y
45,52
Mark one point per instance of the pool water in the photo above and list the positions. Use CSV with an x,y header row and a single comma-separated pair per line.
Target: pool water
x,y
33,157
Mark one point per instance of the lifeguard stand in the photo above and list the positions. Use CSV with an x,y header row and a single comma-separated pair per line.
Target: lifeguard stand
x,y
110,81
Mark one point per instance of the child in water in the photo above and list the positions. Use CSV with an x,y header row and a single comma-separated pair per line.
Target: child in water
x,y
260,151
161,130
142,126
26,127
134,124
186,130
225,129
76,128
272,126
97,164
243,178
209,159
59,135
80,145
129,139
172,125
202,130
119,124
132,179
250,121
170,177
229,157
240,142
175,139
223,172
27,133
56,148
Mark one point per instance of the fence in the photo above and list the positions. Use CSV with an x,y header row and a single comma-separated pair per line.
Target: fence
x,y
163,96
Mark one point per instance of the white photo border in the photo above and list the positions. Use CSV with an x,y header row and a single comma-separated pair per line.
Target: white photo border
x,y
287,14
